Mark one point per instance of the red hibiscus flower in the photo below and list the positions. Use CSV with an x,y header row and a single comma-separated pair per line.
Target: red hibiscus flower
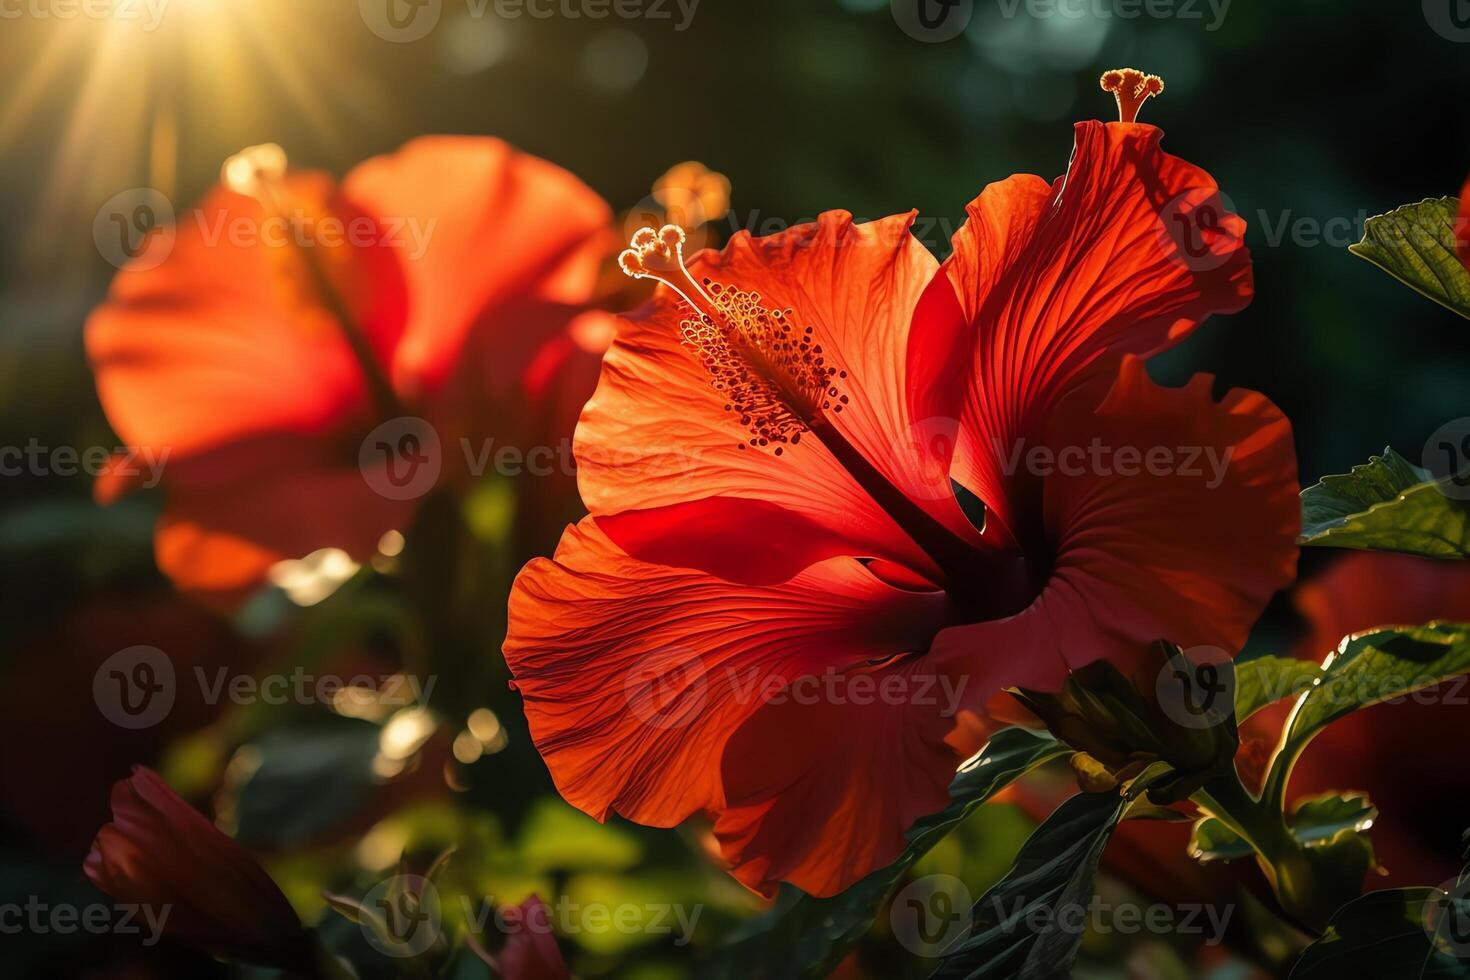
x,y
284,320
161,853
780,613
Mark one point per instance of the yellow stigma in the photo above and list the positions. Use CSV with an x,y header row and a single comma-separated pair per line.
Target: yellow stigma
x,y
254,168
1132,88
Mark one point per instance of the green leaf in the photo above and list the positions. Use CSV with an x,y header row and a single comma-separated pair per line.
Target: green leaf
x,y
806,937
1026,927
306,781
1376,666
1416,245
1387,504
1266,680
1317,821
1381,935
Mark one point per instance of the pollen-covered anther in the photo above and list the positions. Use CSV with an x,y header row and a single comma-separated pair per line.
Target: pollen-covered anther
x,y
1132,88
655,255
772,373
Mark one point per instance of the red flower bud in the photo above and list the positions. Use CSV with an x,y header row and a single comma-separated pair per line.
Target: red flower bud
x,y
530,951
161,852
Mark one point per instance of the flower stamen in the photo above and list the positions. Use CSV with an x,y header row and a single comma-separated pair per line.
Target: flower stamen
x,y
772,372
1132,88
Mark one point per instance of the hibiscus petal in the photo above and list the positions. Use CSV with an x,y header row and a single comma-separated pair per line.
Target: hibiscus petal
x,y
226,338
218,544
1125,254
656,432
636,676
1175,517
486,232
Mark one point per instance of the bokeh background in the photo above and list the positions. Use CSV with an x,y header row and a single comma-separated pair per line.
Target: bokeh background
x,y
1312,114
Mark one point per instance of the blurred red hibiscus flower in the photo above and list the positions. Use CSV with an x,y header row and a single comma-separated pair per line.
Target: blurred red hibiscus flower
x,y
768,461
288,318
530,951
161,853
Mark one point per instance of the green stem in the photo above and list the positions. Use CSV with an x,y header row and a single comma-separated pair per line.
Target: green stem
x,y
1284,860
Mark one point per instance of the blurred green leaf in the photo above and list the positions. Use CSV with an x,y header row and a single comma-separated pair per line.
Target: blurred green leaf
x,y
1266,680
1381,935
1315,821
805,936
1416,245
1386,504
303,781
558,837
1016,931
